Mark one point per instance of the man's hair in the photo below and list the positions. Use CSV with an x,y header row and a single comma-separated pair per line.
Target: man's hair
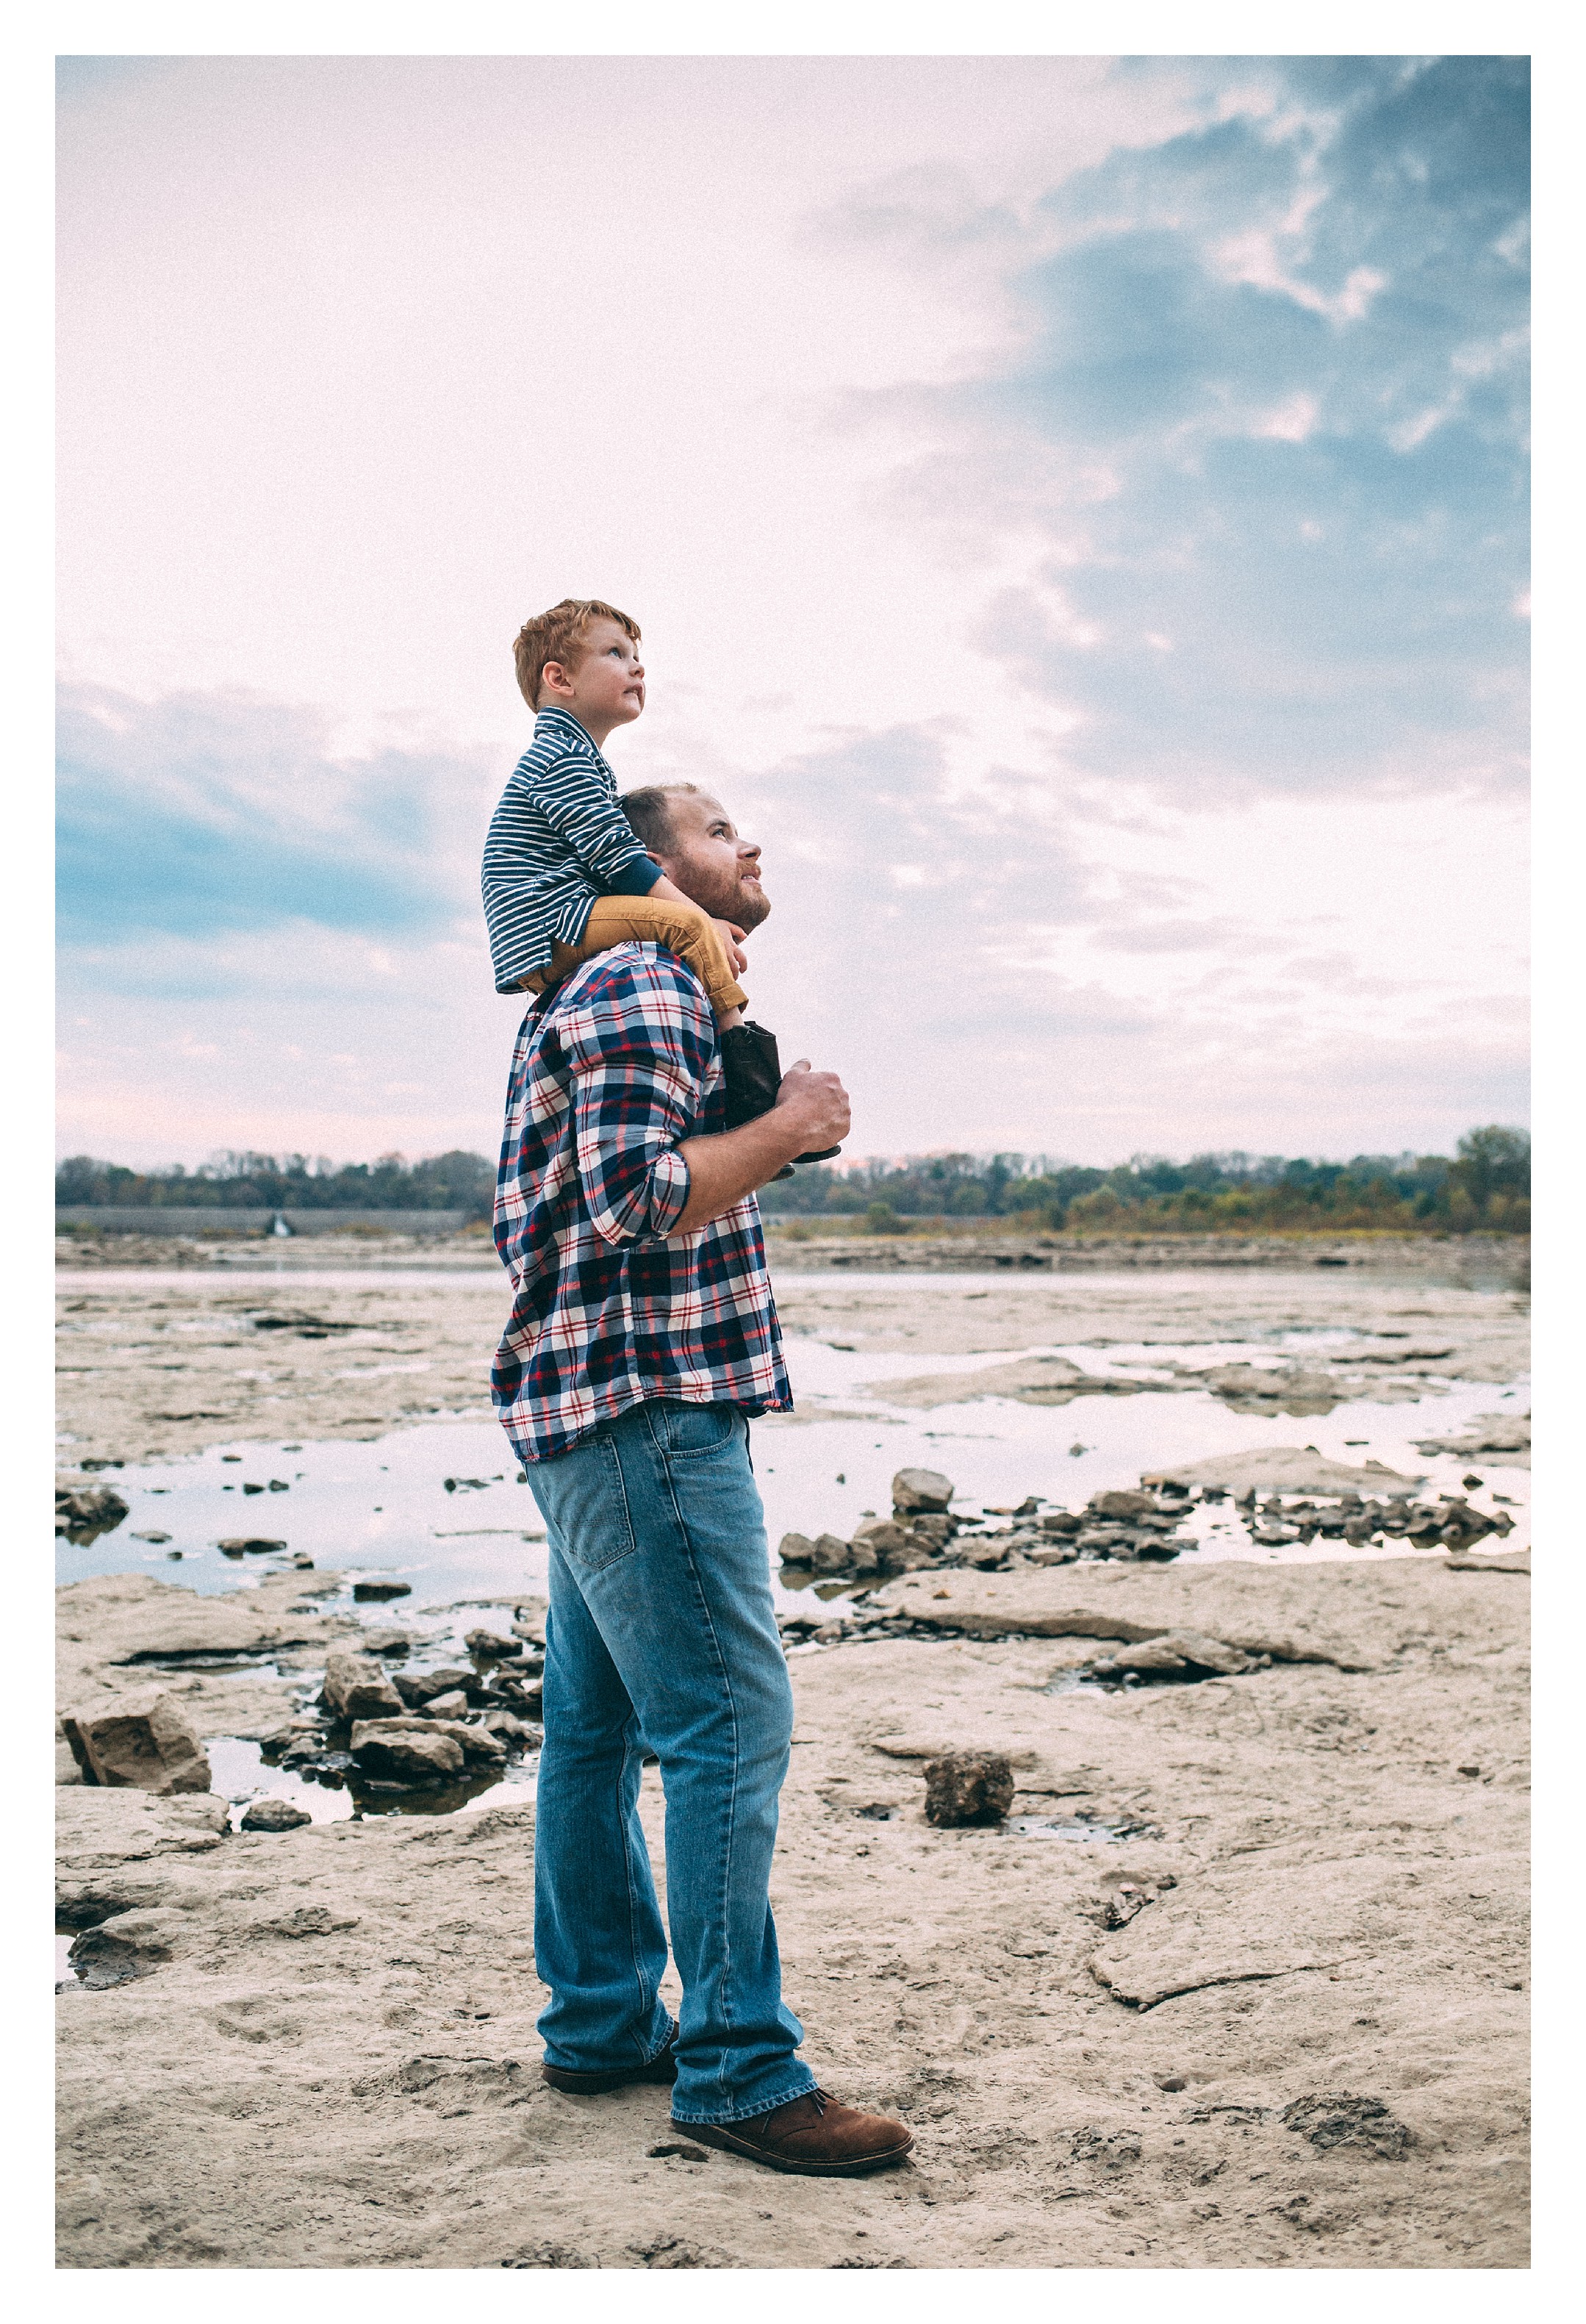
x,y
559,636
650,811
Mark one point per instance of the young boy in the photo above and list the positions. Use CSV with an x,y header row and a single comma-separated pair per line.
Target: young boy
x,y
565,876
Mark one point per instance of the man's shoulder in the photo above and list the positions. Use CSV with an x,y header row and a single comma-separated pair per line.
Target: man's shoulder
x,y
633,985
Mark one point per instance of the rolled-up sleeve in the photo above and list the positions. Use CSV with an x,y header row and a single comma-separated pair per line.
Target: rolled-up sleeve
x,y
576,803
638,1061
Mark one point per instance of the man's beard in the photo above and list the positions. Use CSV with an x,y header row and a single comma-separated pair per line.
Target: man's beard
x,y
725,898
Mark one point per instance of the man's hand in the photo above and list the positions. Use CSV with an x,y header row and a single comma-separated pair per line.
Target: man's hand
x,y
811,1112
819,1105
733,938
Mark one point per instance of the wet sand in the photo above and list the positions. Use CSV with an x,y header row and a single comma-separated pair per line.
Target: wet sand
x,y
1113,2037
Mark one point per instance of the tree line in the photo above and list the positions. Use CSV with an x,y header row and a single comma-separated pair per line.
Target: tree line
x,y
1487,1183
240,1182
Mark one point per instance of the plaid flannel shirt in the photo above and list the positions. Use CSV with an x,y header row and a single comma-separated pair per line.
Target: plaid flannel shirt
x,y
609,1306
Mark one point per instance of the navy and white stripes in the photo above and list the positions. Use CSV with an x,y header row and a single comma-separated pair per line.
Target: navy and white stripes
x,y
557,840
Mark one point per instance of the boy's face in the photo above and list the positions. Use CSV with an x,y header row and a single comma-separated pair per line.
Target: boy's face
x,y
606,687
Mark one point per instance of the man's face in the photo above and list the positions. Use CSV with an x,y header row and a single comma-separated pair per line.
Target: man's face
x,y
607,687
704,856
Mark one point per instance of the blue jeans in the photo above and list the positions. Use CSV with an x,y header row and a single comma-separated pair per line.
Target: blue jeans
x,y
661,1635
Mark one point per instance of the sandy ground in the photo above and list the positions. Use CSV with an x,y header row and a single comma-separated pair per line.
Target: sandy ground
x,y
1280,2021
152,1367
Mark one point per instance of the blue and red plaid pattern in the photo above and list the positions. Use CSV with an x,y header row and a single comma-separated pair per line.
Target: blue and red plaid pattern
x,y
608,1078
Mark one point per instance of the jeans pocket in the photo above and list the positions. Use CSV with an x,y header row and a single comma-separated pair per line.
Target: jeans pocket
x,y
593,1523
694,1432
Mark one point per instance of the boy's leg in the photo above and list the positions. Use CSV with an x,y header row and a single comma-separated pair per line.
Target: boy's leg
x,y
691,935
598,1939
658,1525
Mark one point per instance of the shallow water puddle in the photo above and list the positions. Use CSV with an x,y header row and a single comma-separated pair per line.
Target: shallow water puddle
x,y
1079,1826
241,1773
381,1512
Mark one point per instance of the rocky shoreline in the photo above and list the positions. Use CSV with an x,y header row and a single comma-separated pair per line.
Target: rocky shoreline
x,y
1236,1982
1178,1905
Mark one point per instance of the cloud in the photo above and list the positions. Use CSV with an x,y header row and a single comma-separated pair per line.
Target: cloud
x,y
196,815
1260,437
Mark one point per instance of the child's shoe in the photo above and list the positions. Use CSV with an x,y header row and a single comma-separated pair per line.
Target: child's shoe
x,y
753,1074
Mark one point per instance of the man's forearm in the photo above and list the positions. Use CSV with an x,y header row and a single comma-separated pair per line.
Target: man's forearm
x,y
722,1170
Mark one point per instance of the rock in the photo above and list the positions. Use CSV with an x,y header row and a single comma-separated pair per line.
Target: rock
x,y
968,1787
131,1945
273,1815
1111,2149
144,1743
1123,1505
878,1540
1246,1387
1180,1650
96,1830
378,1592
491,1647
937,1529
1031,1380
920,1489
386,1642
307,1920
417,1687
1345,2121
528,1696
248,1544
506,1726
90,1508
1504,1438
832,1555
1281,1469
404,1751
1229,1601
529,1622
165,1537
447,1706
356,1687
477,1745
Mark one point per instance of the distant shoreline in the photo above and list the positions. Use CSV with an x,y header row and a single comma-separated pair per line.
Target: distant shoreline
x,y
927,1249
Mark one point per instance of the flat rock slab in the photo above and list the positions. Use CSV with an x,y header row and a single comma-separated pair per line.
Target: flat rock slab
x,y
1033,1380
96,1828
1239,1926
1283,1468
130,1616
1351,1614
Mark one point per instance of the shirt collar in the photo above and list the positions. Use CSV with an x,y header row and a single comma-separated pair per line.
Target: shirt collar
x,y
574,726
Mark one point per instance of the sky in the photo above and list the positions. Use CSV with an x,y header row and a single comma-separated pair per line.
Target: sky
x,y
1075,509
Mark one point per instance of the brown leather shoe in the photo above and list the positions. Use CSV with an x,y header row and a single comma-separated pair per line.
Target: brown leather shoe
x,y
814,2136
662,2067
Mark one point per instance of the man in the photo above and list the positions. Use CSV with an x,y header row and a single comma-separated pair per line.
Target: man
x,y
642,1339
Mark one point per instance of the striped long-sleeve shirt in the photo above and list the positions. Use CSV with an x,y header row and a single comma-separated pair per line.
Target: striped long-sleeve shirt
x,y
557,840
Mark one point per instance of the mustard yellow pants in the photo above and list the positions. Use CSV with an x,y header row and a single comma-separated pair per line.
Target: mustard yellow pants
x,y
682,929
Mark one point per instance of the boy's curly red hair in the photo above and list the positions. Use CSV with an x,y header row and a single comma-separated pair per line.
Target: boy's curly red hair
x,y
556,636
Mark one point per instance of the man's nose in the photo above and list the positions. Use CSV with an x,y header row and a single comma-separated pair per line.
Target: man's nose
x,y
746,848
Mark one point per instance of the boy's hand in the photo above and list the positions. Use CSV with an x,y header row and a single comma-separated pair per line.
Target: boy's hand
x,y
819,1103
733,939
